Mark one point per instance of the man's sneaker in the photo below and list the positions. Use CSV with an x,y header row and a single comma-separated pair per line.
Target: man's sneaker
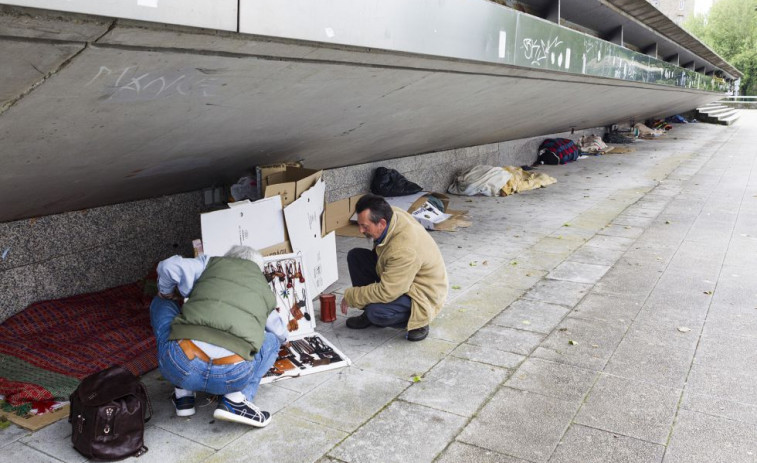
x,y
244,412
418,334
185,406
359,322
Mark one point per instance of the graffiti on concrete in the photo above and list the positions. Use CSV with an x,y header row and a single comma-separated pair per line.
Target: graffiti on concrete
x,y
551,51
133,84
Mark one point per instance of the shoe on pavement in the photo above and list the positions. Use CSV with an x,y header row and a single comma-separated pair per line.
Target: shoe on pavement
x,y
184,406
418,334
358,323
244,412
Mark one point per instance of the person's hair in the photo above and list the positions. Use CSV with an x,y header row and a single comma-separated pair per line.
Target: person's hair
x,y
246,253
380,209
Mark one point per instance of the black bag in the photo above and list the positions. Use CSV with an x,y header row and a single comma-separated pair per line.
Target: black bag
x,y
389,182
108,415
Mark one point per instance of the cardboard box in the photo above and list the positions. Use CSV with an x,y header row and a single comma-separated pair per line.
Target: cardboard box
x,y
340,213
337,214
288,182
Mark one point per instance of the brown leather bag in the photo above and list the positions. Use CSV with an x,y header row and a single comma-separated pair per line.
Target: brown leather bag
x,y
108,415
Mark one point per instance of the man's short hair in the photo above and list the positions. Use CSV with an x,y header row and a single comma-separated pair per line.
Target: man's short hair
x,y
380,209
246,253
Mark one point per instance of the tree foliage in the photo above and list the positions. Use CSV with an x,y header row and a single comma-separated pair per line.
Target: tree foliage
x,y
730,29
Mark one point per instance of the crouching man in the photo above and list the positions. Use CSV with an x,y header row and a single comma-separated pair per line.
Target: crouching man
x,y
217,342
402,282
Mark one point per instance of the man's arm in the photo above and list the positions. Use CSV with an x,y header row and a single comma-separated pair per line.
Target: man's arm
x,y
178,272
399,273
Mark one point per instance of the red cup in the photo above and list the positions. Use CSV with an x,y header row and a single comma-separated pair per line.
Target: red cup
x,y
328,308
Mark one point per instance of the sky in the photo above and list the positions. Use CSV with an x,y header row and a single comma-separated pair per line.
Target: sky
x,y
702,6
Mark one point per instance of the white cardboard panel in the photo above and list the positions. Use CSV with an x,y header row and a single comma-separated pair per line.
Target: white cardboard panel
x,y
285,298
303,218
257,224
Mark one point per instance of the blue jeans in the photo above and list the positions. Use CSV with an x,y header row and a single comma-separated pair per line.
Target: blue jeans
x,y
362,266
197,375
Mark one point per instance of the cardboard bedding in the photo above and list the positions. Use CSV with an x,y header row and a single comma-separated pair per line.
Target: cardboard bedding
x,y
46,349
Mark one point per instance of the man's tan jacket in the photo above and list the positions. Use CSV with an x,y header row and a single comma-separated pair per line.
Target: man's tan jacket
x,y
409,262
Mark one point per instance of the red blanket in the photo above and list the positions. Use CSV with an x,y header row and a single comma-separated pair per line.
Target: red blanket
x,y
46,349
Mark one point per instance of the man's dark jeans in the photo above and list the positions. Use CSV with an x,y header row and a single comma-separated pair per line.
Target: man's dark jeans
x,y
362,265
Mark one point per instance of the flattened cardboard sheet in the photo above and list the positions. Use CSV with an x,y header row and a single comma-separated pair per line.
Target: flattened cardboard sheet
x,y
307,351
258,224
303,218
36,422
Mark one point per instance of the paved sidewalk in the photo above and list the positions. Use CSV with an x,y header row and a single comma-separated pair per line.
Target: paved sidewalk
x,y
611,317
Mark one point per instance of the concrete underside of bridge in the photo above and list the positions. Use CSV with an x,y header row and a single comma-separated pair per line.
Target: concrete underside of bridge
x,y
100,111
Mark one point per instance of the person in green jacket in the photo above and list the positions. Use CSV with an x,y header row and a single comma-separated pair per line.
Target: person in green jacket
x,y
217,342
402,281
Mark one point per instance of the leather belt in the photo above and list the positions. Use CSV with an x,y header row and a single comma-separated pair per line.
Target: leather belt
x,y
191,351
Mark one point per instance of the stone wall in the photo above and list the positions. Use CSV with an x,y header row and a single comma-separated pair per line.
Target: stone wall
x,y
435,171
90,250
93,249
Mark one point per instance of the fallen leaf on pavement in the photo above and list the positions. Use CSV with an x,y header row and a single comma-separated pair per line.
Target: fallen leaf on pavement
x,y
684,329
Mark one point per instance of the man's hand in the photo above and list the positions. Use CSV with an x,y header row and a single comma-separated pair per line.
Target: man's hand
x,y
343,306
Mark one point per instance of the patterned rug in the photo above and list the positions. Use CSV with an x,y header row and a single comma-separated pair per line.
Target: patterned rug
x,y
46,349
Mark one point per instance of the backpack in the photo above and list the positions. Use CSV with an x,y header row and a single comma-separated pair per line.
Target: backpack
x,y
389,182
108,415
558,151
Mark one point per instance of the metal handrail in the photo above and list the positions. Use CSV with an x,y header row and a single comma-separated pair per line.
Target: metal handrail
x,y
740,98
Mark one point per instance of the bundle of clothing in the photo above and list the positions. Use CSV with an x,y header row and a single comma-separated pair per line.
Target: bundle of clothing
x,y
593,144
497,181
618,138
645,132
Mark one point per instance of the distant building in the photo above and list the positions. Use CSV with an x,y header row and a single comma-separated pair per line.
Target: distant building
x,y
677,10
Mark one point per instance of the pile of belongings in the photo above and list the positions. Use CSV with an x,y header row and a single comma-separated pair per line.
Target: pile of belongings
x,y
593,144
618,138
497,181
678,119
555,151
660,124
645,132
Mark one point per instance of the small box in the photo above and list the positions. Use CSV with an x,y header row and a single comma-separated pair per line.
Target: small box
x,y
287,181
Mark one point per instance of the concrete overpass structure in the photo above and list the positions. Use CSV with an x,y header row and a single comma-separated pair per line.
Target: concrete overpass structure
x,y
112,101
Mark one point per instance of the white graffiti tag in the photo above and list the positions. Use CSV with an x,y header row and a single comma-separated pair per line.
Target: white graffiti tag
x,y
537,50
131,84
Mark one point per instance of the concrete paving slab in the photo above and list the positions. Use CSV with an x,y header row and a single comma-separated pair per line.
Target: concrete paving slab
x,y
544,261
607,307
456,386
728,384
356,343
661,354
506,339
632,408
458,451
521,424
54,439
594,342
578,272
618,243
703,438
565,293
552,379
404,359
166,446
394,424
20,452
487,355
359,395
457,324
487,298
558,245
623,231
589,445
276,442
596,255
531,315
12,434
718,406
